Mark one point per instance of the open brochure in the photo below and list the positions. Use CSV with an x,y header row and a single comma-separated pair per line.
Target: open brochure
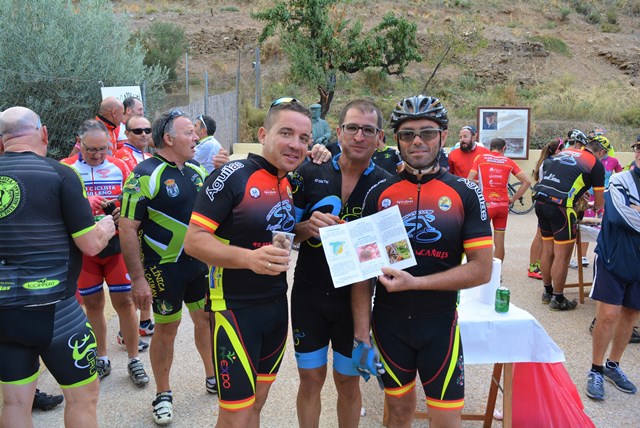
x,y
356,250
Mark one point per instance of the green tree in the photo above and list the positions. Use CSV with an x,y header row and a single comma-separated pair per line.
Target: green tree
x,y
55,55
320,42
165,44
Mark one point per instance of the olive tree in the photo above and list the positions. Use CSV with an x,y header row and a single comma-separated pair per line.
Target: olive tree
x,y
55,55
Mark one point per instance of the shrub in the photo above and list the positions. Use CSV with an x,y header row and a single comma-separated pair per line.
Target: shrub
x,y
55,55
165,44
552,44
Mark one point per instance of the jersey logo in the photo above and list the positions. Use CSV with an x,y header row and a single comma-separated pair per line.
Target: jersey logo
x,y
254,192
566,158
132,185
419,227
172,188
10,196
104,172
386,203
444,203
281,217
483,207
218,183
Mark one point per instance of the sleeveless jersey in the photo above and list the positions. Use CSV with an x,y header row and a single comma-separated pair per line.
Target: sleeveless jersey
x,y
131,155
319,188
161,196
567,175
242,204
42,208
445,216
493,175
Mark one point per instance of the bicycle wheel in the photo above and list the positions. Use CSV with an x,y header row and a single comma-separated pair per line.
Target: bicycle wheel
x,y
524,204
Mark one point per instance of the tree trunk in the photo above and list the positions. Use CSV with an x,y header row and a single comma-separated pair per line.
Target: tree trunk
x,y
325,100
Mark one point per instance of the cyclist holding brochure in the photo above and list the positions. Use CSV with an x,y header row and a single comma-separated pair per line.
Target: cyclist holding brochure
x,y
325,195
414,321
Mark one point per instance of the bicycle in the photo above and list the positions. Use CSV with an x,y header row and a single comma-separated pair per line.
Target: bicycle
x,y
524,204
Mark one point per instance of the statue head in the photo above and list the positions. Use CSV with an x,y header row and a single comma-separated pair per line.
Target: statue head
x,y
315,111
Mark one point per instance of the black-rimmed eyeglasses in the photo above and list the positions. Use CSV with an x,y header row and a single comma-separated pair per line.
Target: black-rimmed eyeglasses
x,y
367,131
425,134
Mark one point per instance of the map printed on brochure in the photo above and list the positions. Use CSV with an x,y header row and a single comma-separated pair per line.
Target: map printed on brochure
x,y
356,250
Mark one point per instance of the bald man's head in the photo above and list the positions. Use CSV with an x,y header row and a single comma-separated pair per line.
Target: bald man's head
x,y
112,109
22,130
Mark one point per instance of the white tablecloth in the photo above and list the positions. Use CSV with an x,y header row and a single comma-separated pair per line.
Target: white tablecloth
x,y
516,336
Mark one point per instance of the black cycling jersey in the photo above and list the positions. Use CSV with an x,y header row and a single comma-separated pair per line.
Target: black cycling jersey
x,y
387,159
445,216
42,208
161,196
242,204
319,188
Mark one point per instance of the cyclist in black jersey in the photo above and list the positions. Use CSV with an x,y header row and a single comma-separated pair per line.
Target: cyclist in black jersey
x,y
157,201
231,228
321,314
414,317
45,226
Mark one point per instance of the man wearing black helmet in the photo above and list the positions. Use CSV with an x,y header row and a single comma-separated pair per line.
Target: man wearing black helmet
x,y
414,321
566,177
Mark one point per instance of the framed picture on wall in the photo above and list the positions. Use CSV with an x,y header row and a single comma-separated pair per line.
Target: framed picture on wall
x,y
510,123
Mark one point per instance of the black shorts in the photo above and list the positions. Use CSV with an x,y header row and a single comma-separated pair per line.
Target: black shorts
x,y
174,283
428,345
248,347
316,320
607,288
558,222
59,333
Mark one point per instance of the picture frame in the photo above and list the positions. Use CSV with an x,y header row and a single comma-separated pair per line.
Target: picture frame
x,y
513,124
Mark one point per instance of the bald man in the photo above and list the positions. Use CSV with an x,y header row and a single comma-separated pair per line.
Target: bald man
x,y
43,208
111,113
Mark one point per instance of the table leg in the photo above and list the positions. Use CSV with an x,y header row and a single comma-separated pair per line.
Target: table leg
x,y
493,395
507,396
579,260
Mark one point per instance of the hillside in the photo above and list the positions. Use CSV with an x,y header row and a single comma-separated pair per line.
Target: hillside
x,y
530,46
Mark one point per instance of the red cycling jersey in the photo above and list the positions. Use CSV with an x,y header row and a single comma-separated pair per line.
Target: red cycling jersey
x,y
131,155
493,171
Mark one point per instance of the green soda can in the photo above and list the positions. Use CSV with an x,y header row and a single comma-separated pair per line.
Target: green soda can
x,y
503,295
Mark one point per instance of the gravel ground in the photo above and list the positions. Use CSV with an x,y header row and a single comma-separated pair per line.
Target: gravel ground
x,y
124,405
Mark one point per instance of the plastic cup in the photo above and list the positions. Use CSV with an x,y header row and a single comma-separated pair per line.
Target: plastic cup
x,y
282,239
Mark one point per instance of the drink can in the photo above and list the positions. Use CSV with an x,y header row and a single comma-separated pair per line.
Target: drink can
x,y
503,295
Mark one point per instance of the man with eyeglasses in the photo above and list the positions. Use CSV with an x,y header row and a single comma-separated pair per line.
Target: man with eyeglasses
x,y
414,322
242,205
325,195
103,177
208,147
158,198
45,226
462,157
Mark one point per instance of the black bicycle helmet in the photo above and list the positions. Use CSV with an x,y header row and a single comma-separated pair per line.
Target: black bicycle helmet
x,y
577,136
419,107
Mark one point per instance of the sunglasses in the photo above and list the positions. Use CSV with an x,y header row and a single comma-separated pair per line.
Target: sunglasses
x,y
201,119
172,115
283,100
367,131
139,131
426,134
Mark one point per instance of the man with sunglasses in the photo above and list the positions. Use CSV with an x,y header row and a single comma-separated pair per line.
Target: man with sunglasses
x,y
235,215
325,195
414,322
103,177
158,198
208,147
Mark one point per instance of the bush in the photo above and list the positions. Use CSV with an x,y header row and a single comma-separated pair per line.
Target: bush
x,y
165,44
552,44
55,55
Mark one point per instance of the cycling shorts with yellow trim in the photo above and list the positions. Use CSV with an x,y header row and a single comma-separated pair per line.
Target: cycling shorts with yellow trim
x,y
173,283
59,333
248,346
427,344
557,221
